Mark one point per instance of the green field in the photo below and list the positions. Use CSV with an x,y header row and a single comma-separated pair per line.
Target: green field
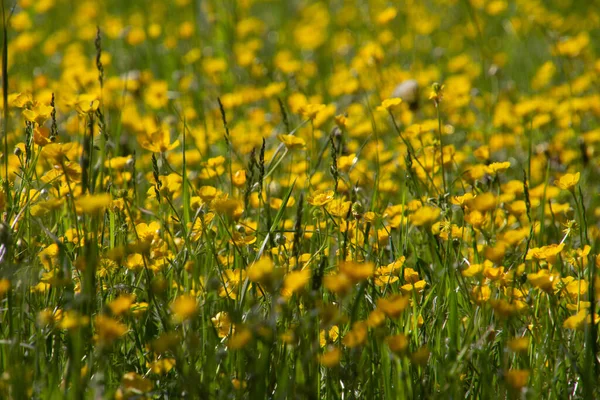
x,y
300,199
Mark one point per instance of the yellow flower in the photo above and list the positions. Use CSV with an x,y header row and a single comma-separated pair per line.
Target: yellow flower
x,y
437,93
184,307
158,141
232,280
72,320
517,378
357,335
233,208
425,215
332,335
341,121
572,47
38,114
390,104
93,203
156,94
483,202
579,320
548,253
292,142
472,270
418,287
386,15
496,167
357,271
519,345
261,270
87,103
135,384
239,339
543,280
331,357
310,111
397,343
207,193
568,181
393,306
108,329
4,286
320,197
239,178
161,366
410,275
222,324
337,283
295,281
421,356
375,318
121,304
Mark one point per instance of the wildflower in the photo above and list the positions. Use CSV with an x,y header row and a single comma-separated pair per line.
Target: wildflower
x,y
72,320
483,202
310,111
331,357
121,304
222,324
207,193
38,114
410,275
338,283
295,281
292,142
481,294
132,384
184,308
332,335
87,103
375,318
421,356
390,104
418,287
232,283
161,366
393,306
357,271
357,335
548,253
519,345
93,204
568,181
239,178
579,320
239,339
517,378
165,342
158,141
232,208
425,215
4,286
261,270
239,385
156,94
437,93
320,197
341,121
386,15
397,343
108,329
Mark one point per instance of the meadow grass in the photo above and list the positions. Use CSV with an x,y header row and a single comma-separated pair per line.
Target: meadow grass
x,y
299,199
